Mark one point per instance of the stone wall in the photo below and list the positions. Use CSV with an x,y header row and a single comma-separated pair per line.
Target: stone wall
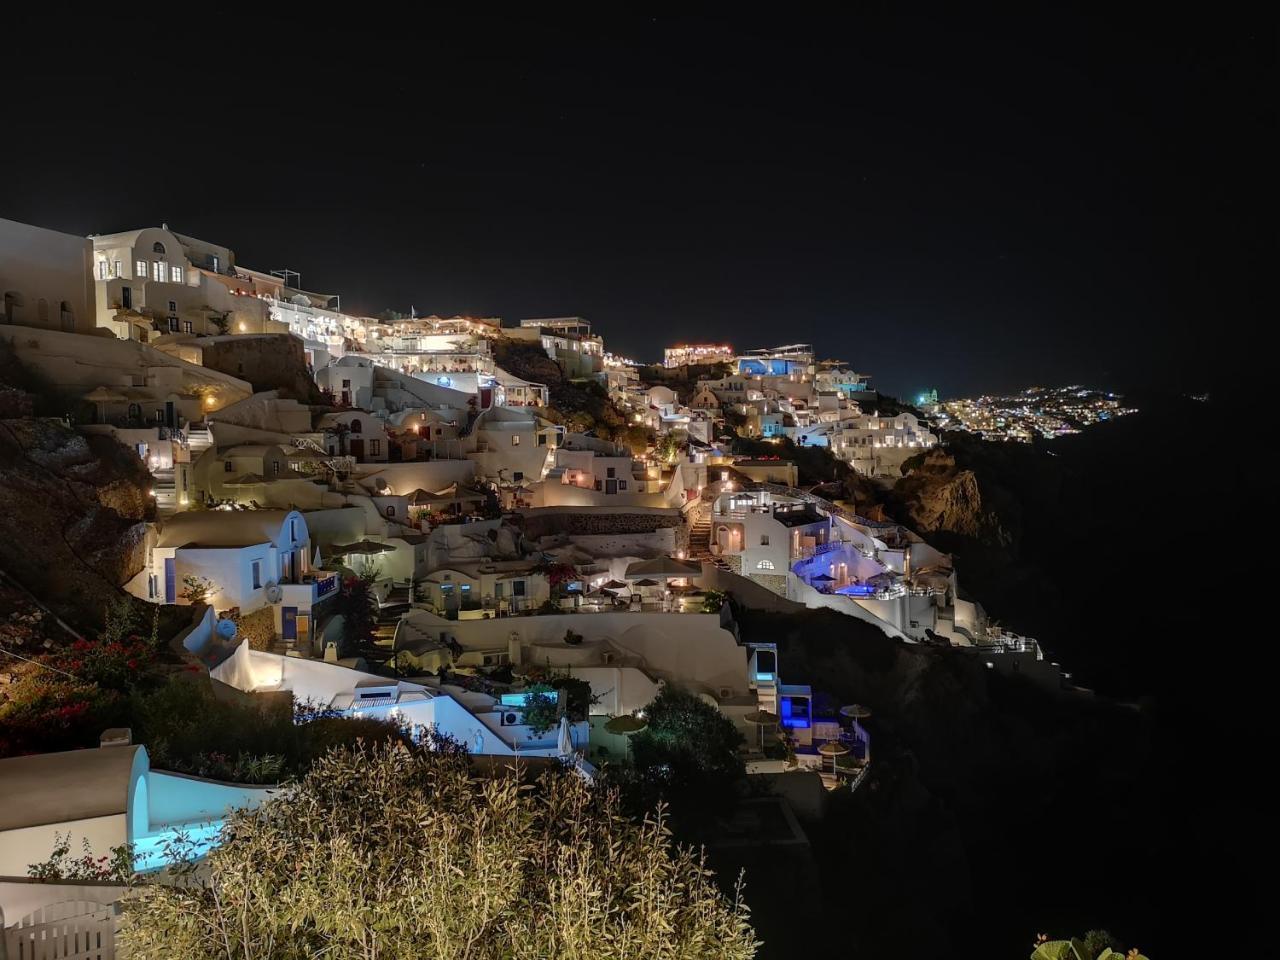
x,y
269,362
538,524
777,583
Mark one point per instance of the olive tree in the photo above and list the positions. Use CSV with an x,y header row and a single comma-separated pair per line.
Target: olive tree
x,y
391,853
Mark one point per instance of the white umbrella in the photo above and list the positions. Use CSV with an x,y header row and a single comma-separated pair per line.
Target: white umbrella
x,y
565,741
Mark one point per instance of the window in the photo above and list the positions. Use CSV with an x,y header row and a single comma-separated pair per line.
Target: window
x,y
515,439
140,270
764,565
158,247
42,311
116,272
186,326
67,316
175,274
214,261
611,472
102,269
275,470
764,539
517,588
622,486
375,448
228,466
346,384
173,324
157,270
173,306
518,475
357,426
257,574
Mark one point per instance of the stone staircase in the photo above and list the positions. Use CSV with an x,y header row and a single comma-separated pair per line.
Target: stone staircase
x,y
196,440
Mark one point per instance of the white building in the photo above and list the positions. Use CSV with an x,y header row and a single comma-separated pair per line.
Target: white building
x,y
46,278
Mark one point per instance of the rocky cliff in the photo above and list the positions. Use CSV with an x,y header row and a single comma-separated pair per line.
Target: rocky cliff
x,y
940,496
73,513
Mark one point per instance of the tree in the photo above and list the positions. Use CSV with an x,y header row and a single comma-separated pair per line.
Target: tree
x,y
356,604
688,756
397,853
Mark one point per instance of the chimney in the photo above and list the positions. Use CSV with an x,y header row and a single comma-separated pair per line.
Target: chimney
x,y
116,737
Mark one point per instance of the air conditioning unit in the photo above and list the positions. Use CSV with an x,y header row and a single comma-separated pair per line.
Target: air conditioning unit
x,y
511,718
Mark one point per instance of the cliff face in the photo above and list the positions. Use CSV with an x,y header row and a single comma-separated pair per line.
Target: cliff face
x,y
73,514
939,496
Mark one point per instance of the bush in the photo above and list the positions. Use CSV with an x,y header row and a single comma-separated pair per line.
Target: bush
x,y
403,853
189,730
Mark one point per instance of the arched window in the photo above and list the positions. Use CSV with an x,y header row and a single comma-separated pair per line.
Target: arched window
x,y
764,565
157,247
357,426
391,511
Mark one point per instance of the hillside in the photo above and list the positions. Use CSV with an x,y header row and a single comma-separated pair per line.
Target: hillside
x,y
72,515
970,768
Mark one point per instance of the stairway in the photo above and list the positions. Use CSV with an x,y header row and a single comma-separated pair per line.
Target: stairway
x,y
198,439
700,538
166,493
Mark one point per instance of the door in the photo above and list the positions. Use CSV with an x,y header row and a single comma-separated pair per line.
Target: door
x,y
611,486
170,580
289,623
304,629
357,449
170,414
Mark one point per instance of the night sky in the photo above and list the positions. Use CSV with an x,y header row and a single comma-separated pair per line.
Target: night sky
x,y
968,205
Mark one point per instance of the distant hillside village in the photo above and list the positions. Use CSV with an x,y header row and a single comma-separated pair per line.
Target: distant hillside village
x,y
516,500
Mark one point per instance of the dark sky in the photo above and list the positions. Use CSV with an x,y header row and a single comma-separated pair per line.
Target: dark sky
x,y
971,205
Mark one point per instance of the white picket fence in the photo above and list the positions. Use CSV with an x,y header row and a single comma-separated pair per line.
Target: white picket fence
x,y
67,930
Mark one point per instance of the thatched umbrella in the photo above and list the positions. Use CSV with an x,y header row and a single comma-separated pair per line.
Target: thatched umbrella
x,y
102,396
855,711
362,548
669,568
625,725
613,585
245,480
833,749
645,583
762,719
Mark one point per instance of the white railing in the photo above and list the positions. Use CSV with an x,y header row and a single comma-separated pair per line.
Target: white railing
x,y
67,930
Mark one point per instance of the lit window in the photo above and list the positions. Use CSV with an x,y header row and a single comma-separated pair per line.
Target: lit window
x,y
102,269
764,565
116,271
515,439
158,270
375,447
622,485
186,327
140,270
764,539
175,274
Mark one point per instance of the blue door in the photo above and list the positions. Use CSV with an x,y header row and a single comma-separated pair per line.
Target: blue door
x,y
170,580
289,623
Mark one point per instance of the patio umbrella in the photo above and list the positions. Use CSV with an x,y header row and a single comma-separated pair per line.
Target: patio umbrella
x,y
855,711
102,396
625,725
668,567
762,719
645,583
823,578
833,749
564,742
613,585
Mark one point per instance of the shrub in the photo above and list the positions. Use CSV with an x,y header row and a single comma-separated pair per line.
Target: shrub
x,y
403,853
